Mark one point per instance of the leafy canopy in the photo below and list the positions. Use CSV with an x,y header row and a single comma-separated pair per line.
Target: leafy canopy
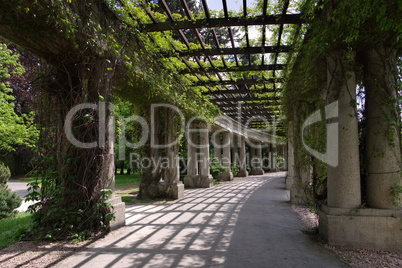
x,y
15,130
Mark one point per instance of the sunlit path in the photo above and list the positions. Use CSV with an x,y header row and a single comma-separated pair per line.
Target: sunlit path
x,y
215,227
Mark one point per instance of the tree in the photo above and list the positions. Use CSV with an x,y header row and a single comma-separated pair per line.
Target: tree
x,y
9,200
89,51
15,130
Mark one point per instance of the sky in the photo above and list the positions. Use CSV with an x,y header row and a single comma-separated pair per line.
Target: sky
x,y
232,4
235,5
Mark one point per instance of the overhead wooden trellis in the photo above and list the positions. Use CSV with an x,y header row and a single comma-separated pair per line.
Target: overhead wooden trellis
x,y
254,99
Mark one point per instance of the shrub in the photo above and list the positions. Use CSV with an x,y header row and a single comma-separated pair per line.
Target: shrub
x,y
235,168
9,201
5,174
216,169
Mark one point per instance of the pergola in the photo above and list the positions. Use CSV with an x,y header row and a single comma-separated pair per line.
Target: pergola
x,y
243,88
246,76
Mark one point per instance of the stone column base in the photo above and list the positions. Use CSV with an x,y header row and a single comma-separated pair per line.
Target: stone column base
x,y
289,182
226,176
174,190
242,173
257,172
379,229
198,181
119,210
178,190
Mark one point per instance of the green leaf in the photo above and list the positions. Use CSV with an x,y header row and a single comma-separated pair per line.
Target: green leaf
x,y
88,117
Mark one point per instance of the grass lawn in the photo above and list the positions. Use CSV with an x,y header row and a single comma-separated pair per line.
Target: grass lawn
x,y
32,179
123,180
127,199
12,228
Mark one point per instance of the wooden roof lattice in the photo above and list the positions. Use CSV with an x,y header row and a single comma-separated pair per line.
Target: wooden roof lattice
x,y
223,70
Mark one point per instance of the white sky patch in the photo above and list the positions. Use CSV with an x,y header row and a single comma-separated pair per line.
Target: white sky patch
x,y
253,33
235,5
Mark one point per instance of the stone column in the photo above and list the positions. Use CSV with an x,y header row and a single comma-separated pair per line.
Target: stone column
x,y
192,163
383,151
242,158
343,183
234,149
171,174
285,157
198,164
282,166
342,222
259,155
119,207
226,161
290,157
217,147
301,171
204,152
256,160
273,157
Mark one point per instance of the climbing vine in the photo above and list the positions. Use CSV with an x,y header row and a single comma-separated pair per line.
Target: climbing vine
x,y
89,51
348,27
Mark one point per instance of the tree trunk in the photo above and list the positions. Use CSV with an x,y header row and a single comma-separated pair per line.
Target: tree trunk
x,y
81,173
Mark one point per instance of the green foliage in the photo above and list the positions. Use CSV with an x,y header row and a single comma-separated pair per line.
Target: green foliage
x,y
396,193
335,29
75,222
55,216
9,201
12,229
153,83
234,167
127,199
216,168
15,130
5,174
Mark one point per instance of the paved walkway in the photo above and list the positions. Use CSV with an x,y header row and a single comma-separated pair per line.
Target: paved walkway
x,y
245,223
20,187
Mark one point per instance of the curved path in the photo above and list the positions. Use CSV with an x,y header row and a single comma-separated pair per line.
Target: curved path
x,y
21,189
244,223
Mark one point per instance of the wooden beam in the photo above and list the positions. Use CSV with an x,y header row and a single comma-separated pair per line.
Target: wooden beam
x,y
244,99
247,112
250,110
269,67
239,82
265,105
239,91
224,22
229,51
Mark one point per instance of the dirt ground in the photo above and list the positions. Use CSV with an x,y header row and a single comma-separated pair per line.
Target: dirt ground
x,y
37,254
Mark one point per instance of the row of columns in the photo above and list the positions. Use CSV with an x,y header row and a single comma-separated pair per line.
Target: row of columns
x,y
343,179
343,216
383,155
226,150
